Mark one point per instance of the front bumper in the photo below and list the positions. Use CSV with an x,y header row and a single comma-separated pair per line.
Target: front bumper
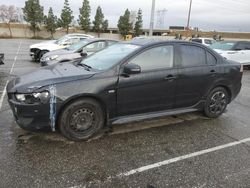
x,y
31,116
46,63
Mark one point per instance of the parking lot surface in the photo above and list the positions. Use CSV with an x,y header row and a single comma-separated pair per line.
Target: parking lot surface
x,y
186,150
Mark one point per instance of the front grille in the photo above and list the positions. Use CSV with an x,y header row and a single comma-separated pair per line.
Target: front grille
x,y
33,50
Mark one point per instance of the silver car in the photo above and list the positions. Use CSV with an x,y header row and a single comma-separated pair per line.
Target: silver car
x,y
76,51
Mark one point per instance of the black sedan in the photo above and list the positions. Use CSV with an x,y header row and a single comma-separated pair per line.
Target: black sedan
x,y
138,79
76,51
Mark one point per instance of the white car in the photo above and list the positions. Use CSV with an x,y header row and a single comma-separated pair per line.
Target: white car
x,y
234,50
204,41
39,49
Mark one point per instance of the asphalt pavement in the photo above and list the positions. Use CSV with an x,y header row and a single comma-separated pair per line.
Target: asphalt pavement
x,y
186,150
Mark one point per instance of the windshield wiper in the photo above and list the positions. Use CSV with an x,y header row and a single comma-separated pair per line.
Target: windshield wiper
x,y
86,66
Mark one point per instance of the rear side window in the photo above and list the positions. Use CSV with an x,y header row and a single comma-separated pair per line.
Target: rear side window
x,y
197,40
243,46
192,56
211,60
207,41
155,58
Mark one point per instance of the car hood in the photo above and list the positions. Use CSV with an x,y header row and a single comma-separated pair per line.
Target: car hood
x,y
49,75
220,51
37,45
57,52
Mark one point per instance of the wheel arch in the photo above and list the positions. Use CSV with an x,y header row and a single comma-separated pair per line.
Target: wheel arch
x,y
227,88
84,96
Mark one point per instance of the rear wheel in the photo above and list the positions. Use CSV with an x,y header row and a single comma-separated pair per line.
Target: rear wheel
x,y
81,119
216,102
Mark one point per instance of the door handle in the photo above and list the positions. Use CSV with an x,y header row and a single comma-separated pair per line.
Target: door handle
x,y
213,73
170,78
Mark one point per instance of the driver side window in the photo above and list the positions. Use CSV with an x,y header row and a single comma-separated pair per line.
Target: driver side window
x,y
160,57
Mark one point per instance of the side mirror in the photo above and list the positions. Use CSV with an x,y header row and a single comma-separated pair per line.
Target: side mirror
x,y
131,69
83,54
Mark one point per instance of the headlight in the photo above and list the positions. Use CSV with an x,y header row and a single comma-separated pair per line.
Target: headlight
x,y
32,98
53,57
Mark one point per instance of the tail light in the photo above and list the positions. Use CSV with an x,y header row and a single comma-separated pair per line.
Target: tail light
x,y
241,68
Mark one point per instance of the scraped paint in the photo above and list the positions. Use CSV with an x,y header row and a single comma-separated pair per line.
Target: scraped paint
x,y
52,102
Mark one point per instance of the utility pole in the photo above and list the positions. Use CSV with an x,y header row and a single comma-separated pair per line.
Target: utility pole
x,y
189,13
152,18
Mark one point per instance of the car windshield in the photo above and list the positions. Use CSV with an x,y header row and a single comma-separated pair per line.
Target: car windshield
x,y
223,45
110,56
61,40
77,45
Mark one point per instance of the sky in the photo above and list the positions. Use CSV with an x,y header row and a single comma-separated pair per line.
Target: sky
x,y
219,15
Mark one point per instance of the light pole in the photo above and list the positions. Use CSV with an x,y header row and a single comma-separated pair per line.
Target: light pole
x,y
152,18
189,13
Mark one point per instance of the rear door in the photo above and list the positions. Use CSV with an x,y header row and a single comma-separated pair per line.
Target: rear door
x,y
196,73
154,88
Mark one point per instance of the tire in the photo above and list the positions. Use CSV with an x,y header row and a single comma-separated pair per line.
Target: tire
x,y
36,54
216,102
40,55
81,119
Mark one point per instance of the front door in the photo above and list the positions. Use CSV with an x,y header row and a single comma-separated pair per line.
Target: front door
x,y
151,90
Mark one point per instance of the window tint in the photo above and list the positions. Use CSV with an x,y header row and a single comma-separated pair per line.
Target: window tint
x,y
243,46
197,40
211,60
207,41
155,58
94,47
192,56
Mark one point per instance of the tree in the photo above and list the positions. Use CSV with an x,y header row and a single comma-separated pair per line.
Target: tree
x,y
66,16
84,17
33,14
138,23
51,22
98,22
124,25
105,25
8,14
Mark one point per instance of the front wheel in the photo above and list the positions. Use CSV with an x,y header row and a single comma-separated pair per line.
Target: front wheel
x,y
40,55
216,102
81,119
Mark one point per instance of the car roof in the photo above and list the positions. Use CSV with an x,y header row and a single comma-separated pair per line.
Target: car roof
x,y
149,42
100,39
79,34
202,38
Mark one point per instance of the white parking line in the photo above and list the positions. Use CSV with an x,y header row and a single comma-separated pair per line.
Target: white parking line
x,y
12,67
180,158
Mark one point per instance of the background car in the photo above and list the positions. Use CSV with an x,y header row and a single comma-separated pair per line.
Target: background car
x,y
75,51
39,49
1,59
204,41
234,50
123,81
